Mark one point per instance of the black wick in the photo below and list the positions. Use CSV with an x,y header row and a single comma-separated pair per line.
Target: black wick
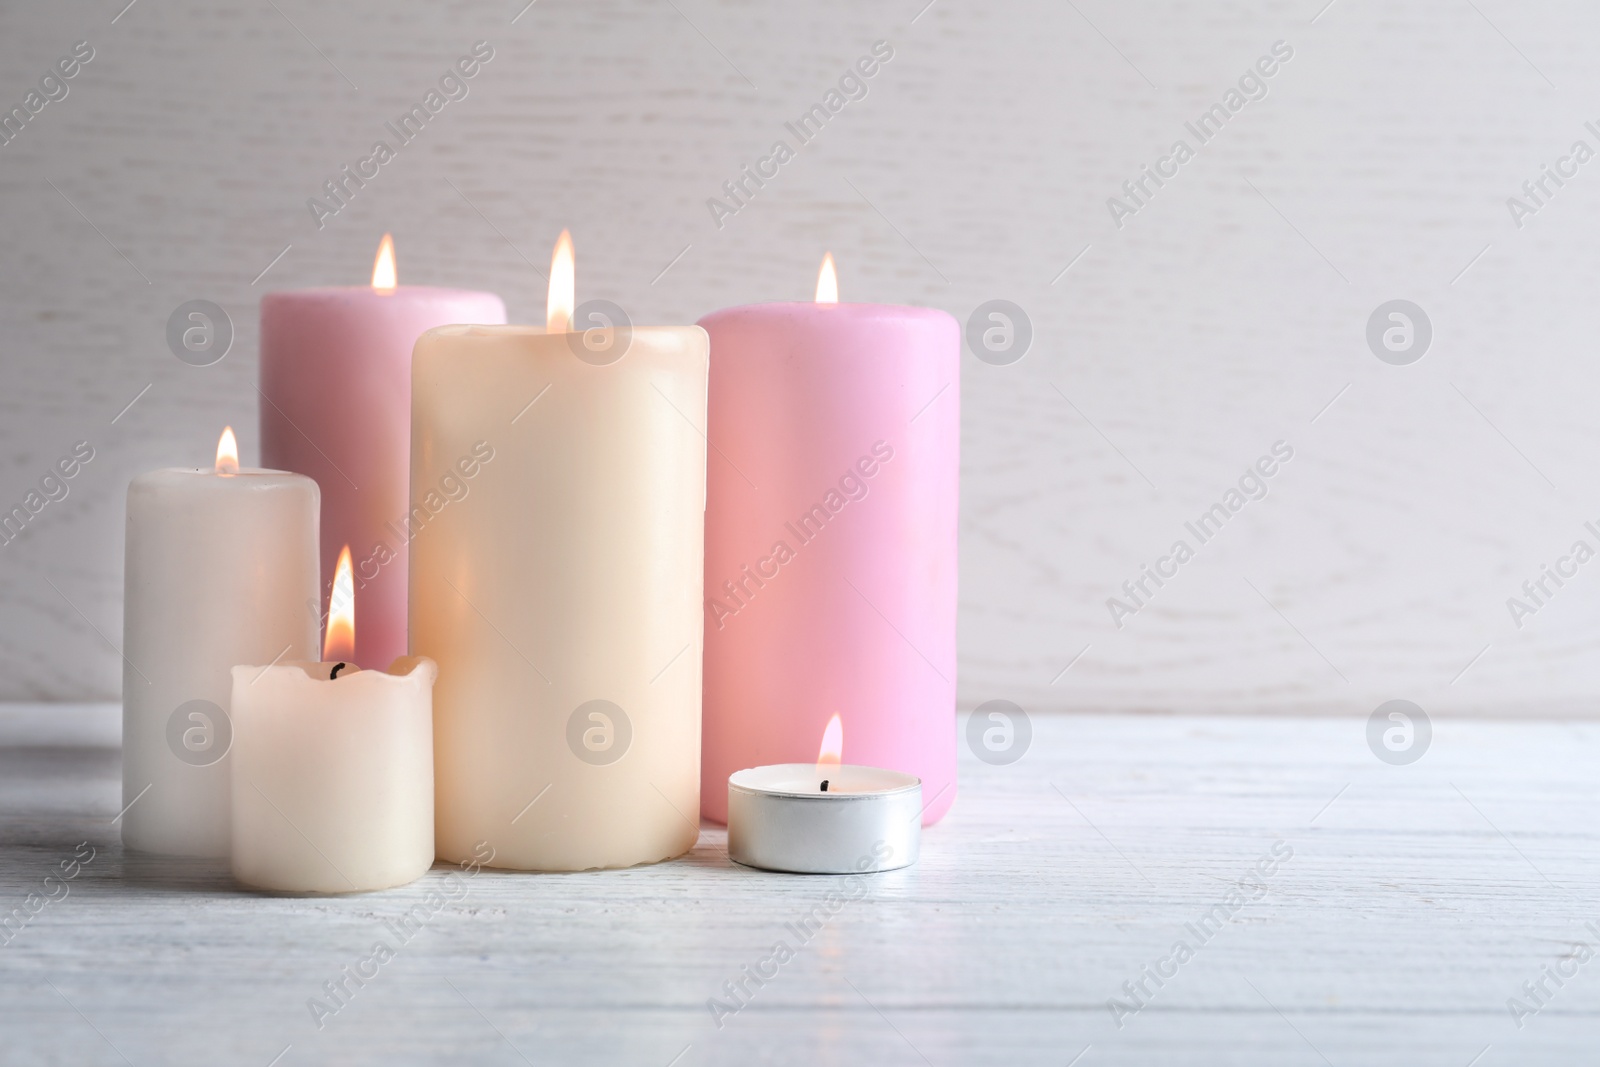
x,y
824,785
337,667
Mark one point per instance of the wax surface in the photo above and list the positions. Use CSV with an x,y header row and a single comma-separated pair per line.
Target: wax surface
x,y
831,541
332,778
220,570
571,573
805,780
336,405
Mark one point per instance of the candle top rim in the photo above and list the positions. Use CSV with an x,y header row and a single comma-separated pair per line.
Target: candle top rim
x,y
526,329
752,781
330,292
256,477
848,309
232,474
403,669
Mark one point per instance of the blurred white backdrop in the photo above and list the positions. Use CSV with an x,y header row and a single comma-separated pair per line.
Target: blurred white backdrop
x,y
1228,312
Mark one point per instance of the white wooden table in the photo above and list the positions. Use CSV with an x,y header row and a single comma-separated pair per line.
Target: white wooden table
x,y
1416,901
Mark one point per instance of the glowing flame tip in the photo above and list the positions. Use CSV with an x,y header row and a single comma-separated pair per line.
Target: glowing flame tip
x,y
832,751
340,642
384,275
563,286
828,281
227,452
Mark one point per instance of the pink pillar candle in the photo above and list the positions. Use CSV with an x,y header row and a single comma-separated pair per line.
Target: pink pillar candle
x,y
336,405
831,541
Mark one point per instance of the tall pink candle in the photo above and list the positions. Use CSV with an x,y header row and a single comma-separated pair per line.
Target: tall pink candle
x,y
831,541
336,405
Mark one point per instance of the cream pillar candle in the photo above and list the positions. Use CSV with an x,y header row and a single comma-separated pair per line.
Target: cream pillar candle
x,y
562,596
221,567
333,767
332,778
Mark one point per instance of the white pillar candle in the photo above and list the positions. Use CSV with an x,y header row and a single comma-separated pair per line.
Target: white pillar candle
x,y
221,566
561,595
332,776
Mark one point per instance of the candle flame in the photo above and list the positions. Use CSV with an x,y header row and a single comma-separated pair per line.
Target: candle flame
x,y
828,281
563,286
227,452
832,751
340,642
384,275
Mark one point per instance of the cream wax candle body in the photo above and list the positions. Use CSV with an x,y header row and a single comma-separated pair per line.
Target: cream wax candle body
x,y
220,567
332,776
562,597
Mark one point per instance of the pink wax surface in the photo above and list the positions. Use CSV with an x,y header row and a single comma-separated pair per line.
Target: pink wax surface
x,y
850,609
336,406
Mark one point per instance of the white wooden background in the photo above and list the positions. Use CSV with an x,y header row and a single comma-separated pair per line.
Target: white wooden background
x,y
1224,316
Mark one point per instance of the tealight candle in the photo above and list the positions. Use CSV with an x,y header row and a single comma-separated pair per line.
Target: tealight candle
x,y
221,565
824,818
333,767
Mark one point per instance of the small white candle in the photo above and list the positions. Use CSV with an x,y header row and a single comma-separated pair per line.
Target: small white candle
x,y
824,818
221,568
333,767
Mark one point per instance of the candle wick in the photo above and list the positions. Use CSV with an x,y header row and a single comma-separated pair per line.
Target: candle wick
x,y
824,785
337,667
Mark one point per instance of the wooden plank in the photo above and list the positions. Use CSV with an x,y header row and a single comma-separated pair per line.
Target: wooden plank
x,y
1417,899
